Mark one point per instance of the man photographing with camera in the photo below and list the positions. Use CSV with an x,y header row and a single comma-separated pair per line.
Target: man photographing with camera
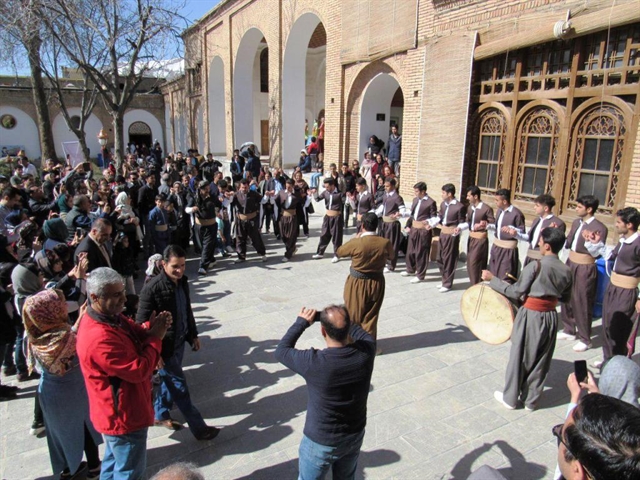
x,y
338,380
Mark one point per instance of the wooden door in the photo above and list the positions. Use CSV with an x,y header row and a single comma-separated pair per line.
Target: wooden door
x,y
264,137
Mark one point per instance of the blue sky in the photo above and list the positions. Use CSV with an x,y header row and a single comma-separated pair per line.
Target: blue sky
x,y
193,10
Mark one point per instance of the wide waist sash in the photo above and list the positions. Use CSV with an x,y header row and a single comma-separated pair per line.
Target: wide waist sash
x,y
541,304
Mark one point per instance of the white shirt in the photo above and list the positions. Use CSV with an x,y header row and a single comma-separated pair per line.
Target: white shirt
x,y
466,225
574,244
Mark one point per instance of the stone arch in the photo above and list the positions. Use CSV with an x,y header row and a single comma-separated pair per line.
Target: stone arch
x,y
294,83
24,134
355,98
217,109
243,87
139,115
62,133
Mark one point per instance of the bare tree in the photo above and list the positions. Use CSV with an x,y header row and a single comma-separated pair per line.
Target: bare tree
x,y
22,31
132,34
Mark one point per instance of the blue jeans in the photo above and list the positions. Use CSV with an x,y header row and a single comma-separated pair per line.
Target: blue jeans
x,y
314,179
315,459
174,389
125,456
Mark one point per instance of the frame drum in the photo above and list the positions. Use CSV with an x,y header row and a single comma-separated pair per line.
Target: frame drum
x,y
488,314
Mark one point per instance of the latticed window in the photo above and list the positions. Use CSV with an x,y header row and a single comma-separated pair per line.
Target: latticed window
x,y
537,153
264,71
139,128
598,148
493,127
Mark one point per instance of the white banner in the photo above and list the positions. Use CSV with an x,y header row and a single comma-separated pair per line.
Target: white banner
x,y
74,151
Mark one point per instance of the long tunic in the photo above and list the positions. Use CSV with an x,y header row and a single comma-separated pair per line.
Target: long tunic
x,y
478,248
533,337
419,244
451,215
364,288
577,314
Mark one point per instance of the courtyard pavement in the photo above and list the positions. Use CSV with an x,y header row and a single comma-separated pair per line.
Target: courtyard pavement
x,y
431,412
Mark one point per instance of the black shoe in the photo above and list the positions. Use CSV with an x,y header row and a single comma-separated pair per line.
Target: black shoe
x,y
11,370
24,377
210,434
36,428
7,392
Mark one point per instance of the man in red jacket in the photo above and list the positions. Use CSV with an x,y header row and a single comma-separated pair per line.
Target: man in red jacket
x,y
117,358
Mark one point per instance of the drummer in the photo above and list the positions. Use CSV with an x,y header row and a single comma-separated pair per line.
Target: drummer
x,y
542,284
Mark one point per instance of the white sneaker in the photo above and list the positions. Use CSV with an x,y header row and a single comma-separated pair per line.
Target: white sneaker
x,y
580,347
598,364
565,336
317,256
264,258
439,285
406,274
416,280
386,270
202,271
335,260
444,289
285,259
499,397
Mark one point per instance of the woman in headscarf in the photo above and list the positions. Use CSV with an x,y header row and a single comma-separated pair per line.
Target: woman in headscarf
x,y
65,204
128,222
378,167
72,284
55,231
62,391
365,171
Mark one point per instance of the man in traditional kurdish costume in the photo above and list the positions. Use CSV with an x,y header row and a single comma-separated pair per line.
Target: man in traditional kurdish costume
x,y
391,208
621,298
364,288
204,208
504,252
248,206
577,314
533,337
333,222
361,201
286,203
479,215
543,206
424,216
451,216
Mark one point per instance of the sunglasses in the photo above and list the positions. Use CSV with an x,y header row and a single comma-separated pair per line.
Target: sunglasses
x,y
557,432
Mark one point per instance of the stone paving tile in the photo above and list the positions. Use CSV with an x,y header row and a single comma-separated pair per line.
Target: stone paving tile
x,y
431,409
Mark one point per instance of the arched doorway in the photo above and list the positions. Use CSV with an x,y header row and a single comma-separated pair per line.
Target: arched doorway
x,y
140,134
382,106
216,116
251,91
303,81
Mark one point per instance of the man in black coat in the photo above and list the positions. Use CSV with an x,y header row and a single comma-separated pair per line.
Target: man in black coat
x,y
169,291
95,245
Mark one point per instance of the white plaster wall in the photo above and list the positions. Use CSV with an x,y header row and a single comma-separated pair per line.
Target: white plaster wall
x,y
138,115
377,99
216,115
243,88
296,69
396,112
316,81
62,133
24,134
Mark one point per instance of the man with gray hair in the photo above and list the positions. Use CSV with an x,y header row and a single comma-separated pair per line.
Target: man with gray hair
x,y
118,358
95,243
179,471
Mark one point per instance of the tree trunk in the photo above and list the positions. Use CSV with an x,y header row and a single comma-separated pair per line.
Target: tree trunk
x,y
82,139
40,99
118,138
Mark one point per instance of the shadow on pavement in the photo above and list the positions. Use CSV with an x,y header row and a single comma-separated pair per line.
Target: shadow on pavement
x,y
453,334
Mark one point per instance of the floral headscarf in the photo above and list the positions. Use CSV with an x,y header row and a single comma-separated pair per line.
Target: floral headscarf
x,y
51,340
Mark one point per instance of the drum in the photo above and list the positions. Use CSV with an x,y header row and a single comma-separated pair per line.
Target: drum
x,y
488,314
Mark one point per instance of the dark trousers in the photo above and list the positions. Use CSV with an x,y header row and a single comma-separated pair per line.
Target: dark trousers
x,y
418,250
303,219
267,217
244,231
448,257
477,258
331,231
617,312
577,314
289,231
503,261
392,232
208,237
